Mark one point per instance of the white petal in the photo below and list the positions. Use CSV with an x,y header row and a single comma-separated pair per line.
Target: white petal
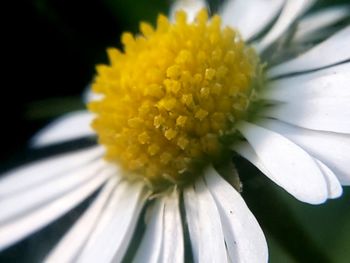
x,y
324,114
334,187
242,14
288,164
110,239
71,244
245,240
150,249
89,95
319,20
35,197
192,218
29,223
68,127
191,7
331,51
331,148
331,82
246,151
211,242
173,244
290,12
39,172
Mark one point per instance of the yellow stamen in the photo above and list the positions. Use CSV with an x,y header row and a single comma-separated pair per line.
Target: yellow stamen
x,y
171,97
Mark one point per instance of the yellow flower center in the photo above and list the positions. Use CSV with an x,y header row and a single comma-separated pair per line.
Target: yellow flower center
x,y
171,100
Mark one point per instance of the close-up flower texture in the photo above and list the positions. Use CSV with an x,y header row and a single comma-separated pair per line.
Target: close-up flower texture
x,y
267,81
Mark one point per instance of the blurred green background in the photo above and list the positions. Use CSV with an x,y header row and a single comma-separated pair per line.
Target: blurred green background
x,y
53,47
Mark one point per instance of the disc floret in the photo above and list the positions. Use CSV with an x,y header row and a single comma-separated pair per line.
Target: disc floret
x,y
172,97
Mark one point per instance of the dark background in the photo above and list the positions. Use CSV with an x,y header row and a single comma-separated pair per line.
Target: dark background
x,y
51,49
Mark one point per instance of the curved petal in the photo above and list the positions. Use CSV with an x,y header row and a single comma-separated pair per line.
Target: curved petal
x,y
320,20
324,114
245,240
73,241
192,218
42,194
242,14
209,240
89,95
290,12
331,82
336,47
150,249
246,151
334,187
210,227
68,127
173,243
110,239
36,173
23,226
331,148
191,7
287,164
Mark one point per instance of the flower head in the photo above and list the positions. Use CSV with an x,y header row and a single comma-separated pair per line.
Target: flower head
x,y
172,99
174,105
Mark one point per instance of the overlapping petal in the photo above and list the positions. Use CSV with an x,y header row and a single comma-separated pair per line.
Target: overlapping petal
x,y
290,12
116,224
316,21
242,14
315,58
24,225
331,82
71,126
34,174
286,163
331,148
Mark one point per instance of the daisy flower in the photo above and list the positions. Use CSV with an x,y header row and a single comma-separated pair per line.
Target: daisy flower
x,y
260,80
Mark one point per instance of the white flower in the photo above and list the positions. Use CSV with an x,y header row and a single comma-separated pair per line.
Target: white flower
x,y
298,137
